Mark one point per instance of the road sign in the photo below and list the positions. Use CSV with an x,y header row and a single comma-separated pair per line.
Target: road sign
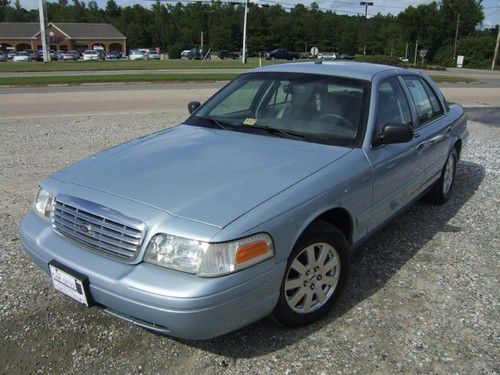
x,y
314,51
423,53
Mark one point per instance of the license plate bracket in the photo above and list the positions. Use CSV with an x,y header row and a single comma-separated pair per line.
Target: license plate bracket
x,y
71,283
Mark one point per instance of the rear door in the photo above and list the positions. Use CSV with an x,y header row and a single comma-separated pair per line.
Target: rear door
x,y
431,128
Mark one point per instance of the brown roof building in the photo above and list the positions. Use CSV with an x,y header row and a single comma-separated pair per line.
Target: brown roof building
x,y
62,36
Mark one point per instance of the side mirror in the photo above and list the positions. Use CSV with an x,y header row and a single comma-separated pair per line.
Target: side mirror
x,y
193,106
394,133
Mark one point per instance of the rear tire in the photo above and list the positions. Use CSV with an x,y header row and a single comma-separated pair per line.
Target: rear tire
x,y
441,190
316,273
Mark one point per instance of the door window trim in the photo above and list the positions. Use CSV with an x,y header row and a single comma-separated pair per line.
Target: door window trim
x,y
418,124
408,102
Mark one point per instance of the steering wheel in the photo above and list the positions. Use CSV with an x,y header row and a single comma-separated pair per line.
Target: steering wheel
x,y
338,120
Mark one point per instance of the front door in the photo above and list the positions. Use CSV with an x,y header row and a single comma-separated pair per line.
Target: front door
x,y
396,172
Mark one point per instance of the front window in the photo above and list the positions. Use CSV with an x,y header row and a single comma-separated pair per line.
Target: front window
x,y
310,107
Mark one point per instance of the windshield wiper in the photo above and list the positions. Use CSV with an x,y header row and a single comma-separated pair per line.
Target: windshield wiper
x,y
282,133
220,124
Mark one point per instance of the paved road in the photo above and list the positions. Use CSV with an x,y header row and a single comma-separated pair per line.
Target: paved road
x,y
40,102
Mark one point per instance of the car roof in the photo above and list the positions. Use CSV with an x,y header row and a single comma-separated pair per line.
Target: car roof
x,y
348,69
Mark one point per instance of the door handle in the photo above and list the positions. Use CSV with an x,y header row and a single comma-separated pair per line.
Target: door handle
x,y
448,130
420,146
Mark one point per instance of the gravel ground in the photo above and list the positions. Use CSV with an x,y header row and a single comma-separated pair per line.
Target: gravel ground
x,y
423,295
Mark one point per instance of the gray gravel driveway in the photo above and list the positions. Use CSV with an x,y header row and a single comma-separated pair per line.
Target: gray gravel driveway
x,y
423,298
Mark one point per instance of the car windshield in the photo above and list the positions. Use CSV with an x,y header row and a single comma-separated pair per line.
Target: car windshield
x,y
309,107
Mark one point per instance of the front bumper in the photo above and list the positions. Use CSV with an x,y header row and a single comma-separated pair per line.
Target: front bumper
x,y
176,303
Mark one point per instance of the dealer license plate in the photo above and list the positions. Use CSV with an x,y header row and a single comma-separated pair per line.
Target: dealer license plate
x,y
69,282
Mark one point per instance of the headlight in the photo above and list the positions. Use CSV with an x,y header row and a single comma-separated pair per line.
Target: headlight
x,y
208,259
43,203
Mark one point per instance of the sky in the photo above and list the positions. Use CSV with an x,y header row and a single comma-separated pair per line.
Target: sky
x,y
491,7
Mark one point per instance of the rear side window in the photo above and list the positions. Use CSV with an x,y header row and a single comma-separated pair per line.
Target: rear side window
x,y
392,106
428,106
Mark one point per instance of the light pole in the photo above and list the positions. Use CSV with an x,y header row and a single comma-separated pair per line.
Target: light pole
x,y
244,53
415,57
42,13
366,4
495,55
456,38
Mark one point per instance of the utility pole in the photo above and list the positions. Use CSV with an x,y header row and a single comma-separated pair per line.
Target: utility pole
x,y
244,52
495,55
366,4
406,51
42,13
456,38
415,57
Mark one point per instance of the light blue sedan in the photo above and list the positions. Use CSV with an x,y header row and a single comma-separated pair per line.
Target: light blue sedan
x,y
254,204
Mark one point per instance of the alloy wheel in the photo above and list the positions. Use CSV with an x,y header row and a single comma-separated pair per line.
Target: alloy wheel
x,y
312,278
449,174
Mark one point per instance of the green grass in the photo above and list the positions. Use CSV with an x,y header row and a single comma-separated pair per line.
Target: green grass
x,y
154,77
50,80
34,66
452,79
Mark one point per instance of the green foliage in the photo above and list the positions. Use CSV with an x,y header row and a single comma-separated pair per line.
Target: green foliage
x,y
477,49
174,52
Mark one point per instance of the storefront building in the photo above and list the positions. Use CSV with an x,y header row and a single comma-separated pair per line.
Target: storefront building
x,y
62,36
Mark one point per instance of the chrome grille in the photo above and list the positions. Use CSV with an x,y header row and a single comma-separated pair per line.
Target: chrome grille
x,y
99,228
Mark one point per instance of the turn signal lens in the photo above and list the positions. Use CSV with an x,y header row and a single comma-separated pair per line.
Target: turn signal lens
x,y
250,251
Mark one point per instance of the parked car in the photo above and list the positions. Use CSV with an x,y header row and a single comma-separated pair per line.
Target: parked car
x,y
91,55
135,54
195,54
196,247
281,54
3,56
185,54
113,55
153,55
22,56
404,59
225,54
145,52
328,56
11,53
69,56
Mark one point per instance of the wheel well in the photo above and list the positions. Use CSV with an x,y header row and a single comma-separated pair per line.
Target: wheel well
x,y
458,146
338,217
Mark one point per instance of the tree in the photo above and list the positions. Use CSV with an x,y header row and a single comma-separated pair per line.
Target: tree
x,y
112,9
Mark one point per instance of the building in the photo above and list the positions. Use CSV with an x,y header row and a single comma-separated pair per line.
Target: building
x,y
62,36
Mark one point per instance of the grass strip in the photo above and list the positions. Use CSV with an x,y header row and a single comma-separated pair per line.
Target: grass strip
x,y
53,66
157,77
452,79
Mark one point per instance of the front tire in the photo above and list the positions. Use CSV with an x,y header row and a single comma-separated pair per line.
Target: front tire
x,y
316,274
441,190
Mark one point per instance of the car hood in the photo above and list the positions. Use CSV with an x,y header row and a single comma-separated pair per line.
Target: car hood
x,y
207,175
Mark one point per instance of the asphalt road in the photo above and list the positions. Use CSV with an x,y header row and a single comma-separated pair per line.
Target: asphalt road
x,y
423,297
117,99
